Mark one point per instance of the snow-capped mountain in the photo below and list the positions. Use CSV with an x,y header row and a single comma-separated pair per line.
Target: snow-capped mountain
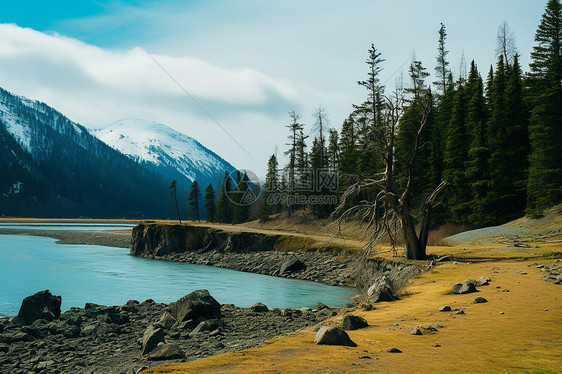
x,y
164,149
51,166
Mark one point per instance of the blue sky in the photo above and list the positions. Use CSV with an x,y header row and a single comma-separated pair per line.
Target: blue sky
x,y
248,62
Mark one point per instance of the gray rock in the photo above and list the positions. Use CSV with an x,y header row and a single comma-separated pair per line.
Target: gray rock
x,y
194,305
381,290
333,336
42,305
168,351
150,339
393,350
479,300
259,308
463,288
208,325
351,322
166,321
445,308
291,265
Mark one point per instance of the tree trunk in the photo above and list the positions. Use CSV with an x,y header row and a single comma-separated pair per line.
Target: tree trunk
x,y
412,246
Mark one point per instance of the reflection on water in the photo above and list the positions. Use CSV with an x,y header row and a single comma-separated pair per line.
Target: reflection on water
x,y
109,276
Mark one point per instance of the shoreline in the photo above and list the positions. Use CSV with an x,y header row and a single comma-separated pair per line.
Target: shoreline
x,y
106,238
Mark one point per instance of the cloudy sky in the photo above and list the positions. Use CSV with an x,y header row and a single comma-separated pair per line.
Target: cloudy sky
x,y
227,72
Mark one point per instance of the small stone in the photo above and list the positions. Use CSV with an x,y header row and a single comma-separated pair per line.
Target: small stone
x,y
479,300
445,308
259,308
416,332
393,350
166,351
460,312
437,345
502,313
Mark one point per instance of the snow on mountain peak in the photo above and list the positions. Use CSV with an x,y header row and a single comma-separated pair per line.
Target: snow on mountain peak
x,y
158,144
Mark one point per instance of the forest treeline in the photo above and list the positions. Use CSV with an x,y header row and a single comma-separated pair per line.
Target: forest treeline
x,y
492,134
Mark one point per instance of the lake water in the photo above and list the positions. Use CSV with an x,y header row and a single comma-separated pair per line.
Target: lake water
x,y
66,226
109,276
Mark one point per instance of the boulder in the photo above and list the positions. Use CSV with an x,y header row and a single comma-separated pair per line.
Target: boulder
x,y
259,308
150,339
42,305
351,322
463,288
166,321
167,351
333,336
208,325
445,308
381,290
479,300
393,350
291,265
195,305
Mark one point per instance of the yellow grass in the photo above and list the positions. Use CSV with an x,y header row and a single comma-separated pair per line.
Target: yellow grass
x,y
526,338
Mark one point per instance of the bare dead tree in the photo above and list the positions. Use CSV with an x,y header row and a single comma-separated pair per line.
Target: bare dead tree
x,y
506,46
389,213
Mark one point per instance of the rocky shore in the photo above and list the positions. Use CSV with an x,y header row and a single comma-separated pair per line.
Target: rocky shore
x,y
111,339
265,254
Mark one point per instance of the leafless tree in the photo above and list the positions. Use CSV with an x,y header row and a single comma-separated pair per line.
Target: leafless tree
x,y
389,213
506,43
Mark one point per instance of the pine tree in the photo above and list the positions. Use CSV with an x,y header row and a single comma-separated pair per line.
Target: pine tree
x,y
408,132
500,187
348,146
517,139
173,198
476,173
441,70
456,154
272,187
544,187
224,205
241,211
210,203
333,150
295,153
193,201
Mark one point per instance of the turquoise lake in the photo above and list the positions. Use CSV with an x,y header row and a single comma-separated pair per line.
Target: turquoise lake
x,y
109,276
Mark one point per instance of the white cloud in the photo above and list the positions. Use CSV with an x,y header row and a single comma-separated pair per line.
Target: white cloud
x,y
95,86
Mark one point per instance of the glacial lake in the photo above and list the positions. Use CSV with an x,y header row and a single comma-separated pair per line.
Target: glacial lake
x,y
109,276
66,226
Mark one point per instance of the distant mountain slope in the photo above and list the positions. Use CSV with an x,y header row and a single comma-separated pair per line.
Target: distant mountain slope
x,y
165,150
53,167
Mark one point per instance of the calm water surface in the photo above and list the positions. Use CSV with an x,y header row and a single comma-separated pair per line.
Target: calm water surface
x,y
109,276
65,226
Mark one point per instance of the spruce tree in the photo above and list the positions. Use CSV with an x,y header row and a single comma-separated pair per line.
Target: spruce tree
x,y
500,187
173,198
544,187
333,150
193,201
210,203
442,70
224,205
476,172
456,154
